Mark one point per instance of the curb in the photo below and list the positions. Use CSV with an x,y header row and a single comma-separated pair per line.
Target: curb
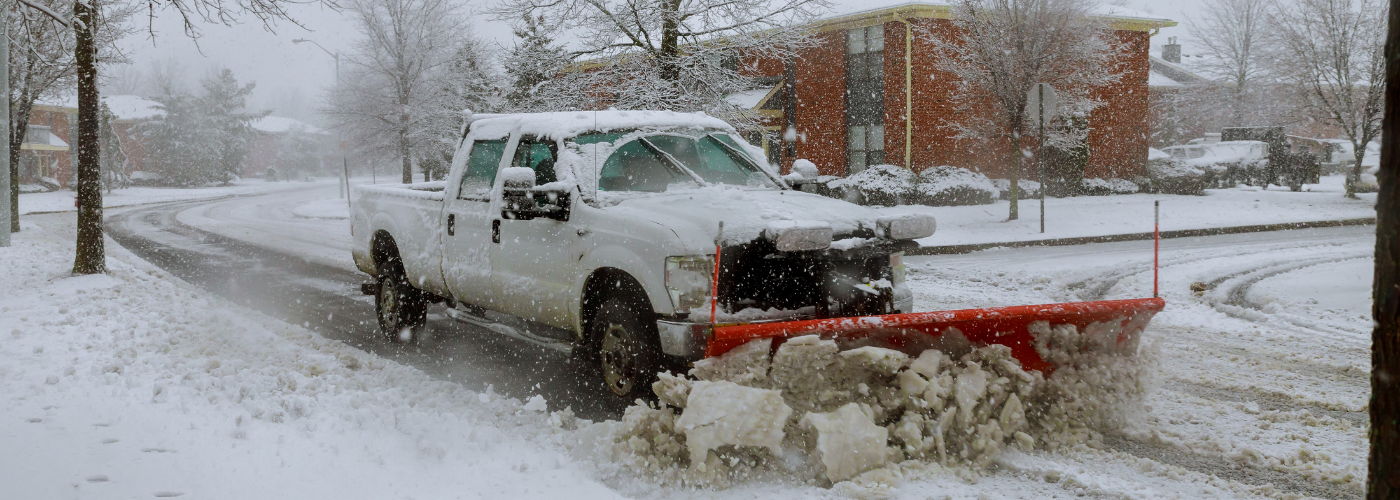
x,y
1179,233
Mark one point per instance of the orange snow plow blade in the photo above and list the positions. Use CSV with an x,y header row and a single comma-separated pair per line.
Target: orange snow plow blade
x,y
914,332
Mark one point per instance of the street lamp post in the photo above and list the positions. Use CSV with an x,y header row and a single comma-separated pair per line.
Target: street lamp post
x,y
344,163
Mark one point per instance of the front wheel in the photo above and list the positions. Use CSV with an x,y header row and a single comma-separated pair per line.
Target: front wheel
x,y
625,347
400,308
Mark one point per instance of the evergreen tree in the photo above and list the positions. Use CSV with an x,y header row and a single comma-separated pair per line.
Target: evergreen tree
x,y
533,61
224,107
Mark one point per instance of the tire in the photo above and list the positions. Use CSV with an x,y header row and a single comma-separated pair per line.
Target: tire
x,y
400,308
624,349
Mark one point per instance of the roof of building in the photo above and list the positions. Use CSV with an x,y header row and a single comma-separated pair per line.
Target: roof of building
x,y
871,11
130,107
280,124
1165,75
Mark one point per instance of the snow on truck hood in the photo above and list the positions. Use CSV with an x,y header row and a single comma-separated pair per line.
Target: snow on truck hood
x,y
695,214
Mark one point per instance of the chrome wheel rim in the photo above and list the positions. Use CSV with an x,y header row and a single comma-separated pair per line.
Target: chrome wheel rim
x,y
618,357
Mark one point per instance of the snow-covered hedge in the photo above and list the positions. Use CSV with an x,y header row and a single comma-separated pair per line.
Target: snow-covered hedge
x,y
886,185
946,186
1102,187
890,185
1027,188
1169,175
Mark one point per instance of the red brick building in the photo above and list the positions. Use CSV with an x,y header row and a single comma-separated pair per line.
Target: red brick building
x,y
868,93
44,153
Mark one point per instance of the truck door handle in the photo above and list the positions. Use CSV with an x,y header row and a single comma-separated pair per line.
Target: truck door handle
x,y
451,224
496,230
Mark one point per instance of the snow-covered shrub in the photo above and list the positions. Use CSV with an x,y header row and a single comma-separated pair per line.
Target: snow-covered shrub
x,y
886,185
1028,188
1166,174
946,185
1103,187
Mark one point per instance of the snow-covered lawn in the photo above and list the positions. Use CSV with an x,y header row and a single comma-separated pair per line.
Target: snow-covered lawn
x,y
1123,214
62,201
136,385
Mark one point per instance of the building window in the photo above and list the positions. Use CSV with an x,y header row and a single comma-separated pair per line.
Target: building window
x,y
37,134
865,97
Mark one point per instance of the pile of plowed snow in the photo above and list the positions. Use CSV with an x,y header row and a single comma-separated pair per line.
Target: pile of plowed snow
x,y
810,411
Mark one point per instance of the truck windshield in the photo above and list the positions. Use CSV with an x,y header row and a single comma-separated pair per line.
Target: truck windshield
x,y
675,159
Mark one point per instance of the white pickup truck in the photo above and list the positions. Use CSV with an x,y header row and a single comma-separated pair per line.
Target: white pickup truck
x,y
595,232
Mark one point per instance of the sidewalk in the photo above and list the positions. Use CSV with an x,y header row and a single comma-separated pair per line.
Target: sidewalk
x,y
1093,219
62,200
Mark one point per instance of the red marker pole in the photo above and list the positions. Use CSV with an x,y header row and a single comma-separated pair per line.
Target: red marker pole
x,y
714,283
1156,241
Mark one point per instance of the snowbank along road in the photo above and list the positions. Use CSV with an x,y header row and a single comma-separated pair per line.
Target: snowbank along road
x,y
1262,373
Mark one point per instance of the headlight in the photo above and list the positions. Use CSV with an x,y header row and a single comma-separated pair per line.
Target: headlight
x,y
688,281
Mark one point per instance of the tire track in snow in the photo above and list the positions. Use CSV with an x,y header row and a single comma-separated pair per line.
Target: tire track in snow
x,y
1226,468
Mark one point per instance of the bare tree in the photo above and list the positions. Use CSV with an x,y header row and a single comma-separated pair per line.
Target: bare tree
x,y
679,55
1004,47
387,89
91,256
1384,463
1232,33
42,65
1332,52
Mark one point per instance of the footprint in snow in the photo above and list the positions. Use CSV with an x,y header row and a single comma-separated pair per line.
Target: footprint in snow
x,y
34,420
110,440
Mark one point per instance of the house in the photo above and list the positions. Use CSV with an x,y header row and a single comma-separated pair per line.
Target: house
x,y
867,93
44,156
274,137
129,113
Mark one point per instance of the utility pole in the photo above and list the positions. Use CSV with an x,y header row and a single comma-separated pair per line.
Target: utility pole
x,y
344,163
1041,101
5,179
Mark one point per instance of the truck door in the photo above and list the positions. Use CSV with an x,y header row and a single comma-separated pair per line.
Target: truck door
x,y
467,235
536,261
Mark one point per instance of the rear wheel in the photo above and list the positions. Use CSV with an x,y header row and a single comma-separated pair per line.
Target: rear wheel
x,y
401,309
624,347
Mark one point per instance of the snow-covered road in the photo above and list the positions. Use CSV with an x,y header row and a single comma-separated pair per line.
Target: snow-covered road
x,y
1263,374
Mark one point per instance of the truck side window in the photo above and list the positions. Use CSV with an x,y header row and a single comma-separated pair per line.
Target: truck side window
x,y
537,155
481,169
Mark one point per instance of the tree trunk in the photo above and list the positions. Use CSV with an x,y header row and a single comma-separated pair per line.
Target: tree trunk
x,y
403,155
1383,479
19,126
1015,174
670,41
1354,176
91,257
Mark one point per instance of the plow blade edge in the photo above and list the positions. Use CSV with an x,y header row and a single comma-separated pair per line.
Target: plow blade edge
x,y
1121,320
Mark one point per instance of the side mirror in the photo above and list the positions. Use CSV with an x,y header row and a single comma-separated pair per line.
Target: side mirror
x,y
521,200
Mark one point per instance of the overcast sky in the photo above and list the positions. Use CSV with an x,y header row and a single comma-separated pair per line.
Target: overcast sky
x,y
292,77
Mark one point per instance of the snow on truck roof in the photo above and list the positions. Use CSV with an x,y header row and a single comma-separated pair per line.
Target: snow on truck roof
x,y
565,124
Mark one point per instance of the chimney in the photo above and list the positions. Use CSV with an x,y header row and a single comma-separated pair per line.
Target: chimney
x,y
1171,52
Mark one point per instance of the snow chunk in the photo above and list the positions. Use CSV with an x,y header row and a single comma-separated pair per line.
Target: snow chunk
x,y
847,441
725,413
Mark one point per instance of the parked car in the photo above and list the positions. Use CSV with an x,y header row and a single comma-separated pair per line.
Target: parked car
x,y
595,233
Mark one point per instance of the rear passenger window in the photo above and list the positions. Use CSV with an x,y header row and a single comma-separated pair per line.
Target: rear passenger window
x,y
481,169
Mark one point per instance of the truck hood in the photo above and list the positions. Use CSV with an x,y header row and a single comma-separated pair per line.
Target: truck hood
x,y
695,214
